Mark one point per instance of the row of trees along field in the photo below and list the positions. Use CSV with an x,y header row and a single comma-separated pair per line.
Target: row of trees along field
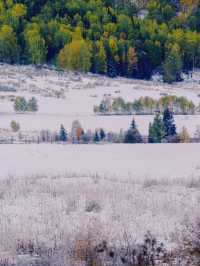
x,y
147,106
161,130
127,38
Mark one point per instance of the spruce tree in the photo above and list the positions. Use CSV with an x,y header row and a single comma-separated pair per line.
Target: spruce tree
x,y
169,124
156,130
62,134
102,134
96,137
133,135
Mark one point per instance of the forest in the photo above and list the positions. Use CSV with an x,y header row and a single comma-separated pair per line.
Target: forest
x,y
126,38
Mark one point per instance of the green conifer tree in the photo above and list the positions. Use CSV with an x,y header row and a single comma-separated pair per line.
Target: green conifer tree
x,y
62,134
133,135
96,136
169,125
156,130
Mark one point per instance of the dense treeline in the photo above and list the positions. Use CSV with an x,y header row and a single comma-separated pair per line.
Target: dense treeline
x,y
103,36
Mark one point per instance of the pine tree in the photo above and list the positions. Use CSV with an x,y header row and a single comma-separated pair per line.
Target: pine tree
x,y
102,134
156,130
96,136
169,124
62,134
133,135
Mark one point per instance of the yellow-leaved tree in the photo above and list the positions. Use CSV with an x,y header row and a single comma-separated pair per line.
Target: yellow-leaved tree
x,y
76,56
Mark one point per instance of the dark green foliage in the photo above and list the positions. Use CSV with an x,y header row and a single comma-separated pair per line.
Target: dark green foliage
x,y
62,134
102,134
157,130
169,125
133,135
96,136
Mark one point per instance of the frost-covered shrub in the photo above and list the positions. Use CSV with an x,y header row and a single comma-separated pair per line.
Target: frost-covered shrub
x,y
189,253
20,104
92,206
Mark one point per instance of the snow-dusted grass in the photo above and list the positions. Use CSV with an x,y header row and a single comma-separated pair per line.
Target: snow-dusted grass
x,y
56,211
58,193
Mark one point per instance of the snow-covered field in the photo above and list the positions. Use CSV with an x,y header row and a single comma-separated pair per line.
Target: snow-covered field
x,y
64,97
54,194
58,193
121,161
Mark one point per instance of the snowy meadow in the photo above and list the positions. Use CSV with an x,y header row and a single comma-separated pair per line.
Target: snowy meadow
x,y
54,195
64,97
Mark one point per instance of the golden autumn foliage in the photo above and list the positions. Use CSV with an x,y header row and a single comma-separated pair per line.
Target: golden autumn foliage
x,y
76,56
184,135
19,10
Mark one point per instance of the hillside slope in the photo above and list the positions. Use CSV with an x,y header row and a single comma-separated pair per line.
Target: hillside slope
x,y
126,38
